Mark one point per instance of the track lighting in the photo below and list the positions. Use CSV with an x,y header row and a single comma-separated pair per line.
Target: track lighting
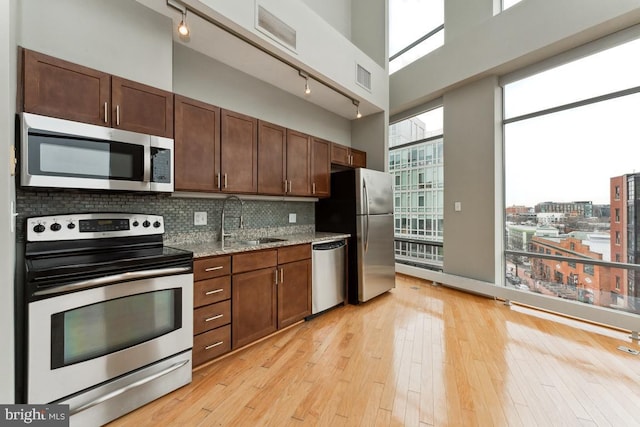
x,y
357,104
182,28
305,76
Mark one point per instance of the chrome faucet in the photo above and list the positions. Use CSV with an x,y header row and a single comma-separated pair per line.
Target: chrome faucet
x,y
222,216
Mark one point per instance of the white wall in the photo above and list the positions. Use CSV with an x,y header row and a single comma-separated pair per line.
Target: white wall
x,y
370,134
7,196
200,77
336,13
319,46
369,28
472,128
120,37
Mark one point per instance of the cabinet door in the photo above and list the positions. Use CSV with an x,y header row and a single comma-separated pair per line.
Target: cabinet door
x,y
339,154
272,145
56,88
321,168
197,145
298,163
254,309
294,292
239,153
141,108
358,158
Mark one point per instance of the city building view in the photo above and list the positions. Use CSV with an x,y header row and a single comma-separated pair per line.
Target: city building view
x,y
416,164
584,249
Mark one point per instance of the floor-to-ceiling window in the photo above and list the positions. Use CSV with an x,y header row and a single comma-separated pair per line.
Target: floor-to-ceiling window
x,y
416,164
416,27
572,163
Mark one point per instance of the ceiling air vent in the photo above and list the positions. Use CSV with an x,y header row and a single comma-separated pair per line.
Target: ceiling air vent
x,y
271,25
363,77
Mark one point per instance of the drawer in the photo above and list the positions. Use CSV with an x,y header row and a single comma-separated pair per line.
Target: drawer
x,y
211,316
206,268
211,291
255,260
211,344
294,253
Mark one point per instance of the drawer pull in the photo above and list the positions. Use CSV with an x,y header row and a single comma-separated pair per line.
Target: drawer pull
x,y
215,291
209,347
220,267
213,318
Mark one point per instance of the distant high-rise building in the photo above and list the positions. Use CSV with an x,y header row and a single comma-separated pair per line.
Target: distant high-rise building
x,y
625,231
416,163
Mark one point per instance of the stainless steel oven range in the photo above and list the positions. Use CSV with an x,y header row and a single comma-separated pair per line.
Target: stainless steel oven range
x,y
109,314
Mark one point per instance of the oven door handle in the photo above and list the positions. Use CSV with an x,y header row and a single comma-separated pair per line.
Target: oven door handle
x,y
129,387
108,280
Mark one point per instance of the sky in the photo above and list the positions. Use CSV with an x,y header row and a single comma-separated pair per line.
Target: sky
x,y
571,155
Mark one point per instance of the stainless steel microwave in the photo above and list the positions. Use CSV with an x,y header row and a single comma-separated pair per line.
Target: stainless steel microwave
x,y
57,153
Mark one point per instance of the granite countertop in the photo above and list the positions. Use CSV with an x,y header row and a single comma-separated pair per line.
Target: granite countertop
x,y
211,248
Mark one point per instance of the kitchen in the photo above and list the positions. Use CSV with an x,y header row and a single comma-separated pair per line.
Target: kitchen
x,y
142,49
136,43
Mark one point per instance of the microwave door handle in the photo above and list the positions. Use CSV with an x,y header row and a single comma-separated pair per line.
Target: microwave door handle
x,y
146,177
109,280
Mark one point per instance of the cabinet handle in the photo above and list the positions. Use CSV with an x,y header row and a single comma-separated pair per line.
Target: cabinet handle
x,y
282,275
209,347
276,276
313,190
218,180
225,180
106,113
285,186
350,159
216,291
220,267
117,115
216,317
290,186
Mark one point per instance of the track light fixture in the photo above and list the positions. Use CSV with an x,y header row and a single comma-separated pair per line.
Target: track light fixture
x,y
357,104
182,28
305,76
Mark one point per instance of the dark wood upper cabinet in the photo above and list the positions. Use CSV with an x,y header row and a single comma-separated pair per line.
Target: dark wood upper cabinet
x,y
140,108
239,153
57,88
272,152
320,168
197,145
298,163
346,156
340,154
358,158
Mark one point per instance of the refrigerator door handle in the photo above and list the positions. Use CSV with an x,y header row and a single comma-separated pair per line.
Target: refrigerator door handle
x,y
366,201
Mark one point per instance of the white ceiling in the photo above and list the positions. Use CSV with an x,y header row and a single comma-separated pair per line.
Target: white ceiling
x,y
225,47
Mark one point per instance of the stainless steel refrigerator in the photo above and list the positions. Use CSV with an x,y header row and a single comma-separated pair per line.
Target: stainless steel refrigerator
x,y
361,204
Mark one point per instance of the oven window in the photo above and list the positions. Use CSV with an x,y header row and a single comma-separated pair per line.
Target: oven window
x,y
98,329
85,158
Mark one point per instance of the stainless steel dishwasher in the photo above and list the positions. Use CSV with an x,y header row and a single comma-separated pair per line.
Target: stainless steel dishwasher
x,y
328,275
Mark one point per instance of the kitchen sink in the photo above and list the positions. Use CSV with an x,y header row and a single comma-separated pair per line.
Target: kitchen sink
x,y
255,242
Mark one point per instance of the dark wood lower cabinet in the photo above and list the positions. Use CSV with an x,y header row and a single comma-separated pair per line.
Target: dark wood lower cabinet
x,y
271,290
254,311
294,298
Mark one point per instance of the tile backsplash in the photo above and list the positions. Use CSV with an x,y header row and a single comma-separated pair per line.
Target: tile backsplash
x,y
259,215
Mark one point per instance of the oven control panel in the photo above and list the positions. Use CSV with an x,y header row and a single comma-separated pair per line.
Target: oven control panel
x,y
92,226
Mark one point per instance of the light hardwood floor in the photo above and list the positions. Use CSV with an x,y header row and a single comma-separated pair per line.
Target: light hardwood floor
x,y
419,355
